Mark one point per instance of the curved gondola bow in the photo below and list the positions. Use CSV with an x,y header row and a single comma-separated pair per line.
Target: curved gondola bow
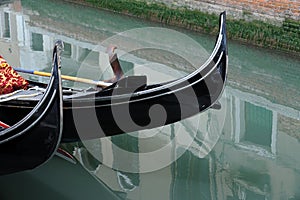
x,y
33,140
125,105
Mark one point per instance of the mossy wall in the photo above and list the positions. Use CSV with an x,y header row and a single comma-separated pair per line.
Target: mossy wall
x,y
283,36
271,10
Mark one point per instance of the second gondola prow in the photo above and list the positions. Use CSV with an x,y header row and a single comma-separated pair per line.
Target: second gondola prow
x,y
34,139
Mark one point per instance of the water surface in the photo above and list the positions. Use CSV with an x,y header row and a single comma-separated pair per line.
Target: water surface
x,y
247,150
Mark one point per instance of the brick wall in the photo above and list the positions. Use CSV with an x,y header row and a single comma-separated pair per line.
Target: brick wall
x,y
274,11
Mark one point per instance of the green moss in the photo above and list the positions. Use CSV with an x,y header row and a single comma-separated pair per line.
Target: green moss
x,y
259,33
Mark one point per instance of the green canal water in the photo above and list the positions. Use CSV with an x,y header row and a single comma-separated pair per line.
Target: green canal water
x,y
248,150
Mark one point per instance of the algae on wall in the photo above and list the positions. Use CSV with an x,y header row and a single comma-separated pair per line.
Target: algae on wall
x,y
285,37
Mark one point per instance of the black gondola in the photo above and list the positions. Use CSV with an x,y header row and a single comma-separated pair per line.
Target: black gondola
x,y
34,139
130,104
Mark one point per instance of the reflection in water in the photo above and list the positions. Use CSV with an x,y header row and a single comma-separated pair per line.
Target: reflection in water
x,y
252,155
6,27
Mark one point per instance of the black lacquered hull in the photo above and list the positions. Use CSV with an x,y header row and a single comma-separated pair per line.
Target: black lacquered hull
x,y
111,112
36,133
34,147
122,109
91,119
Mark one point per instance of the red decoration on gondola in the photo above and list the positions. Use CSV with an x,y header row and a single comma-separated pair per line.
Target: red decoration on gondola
x,y
10,80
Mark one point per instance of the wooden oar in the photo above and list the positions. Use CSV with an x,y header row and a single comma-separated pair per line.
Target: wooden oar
x,y
114,62
65,77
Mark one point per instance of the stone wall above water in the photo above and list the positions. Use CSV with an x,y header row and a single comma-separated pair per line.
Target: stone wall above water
x,y
274,11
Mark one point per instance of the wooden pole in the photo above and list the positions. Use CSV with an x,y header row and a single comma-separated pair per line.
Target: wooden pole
x,y
65,77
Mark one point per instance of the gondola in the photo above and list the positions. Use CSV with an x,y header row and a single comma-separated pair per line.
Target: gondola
x,y
130,104
34,139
